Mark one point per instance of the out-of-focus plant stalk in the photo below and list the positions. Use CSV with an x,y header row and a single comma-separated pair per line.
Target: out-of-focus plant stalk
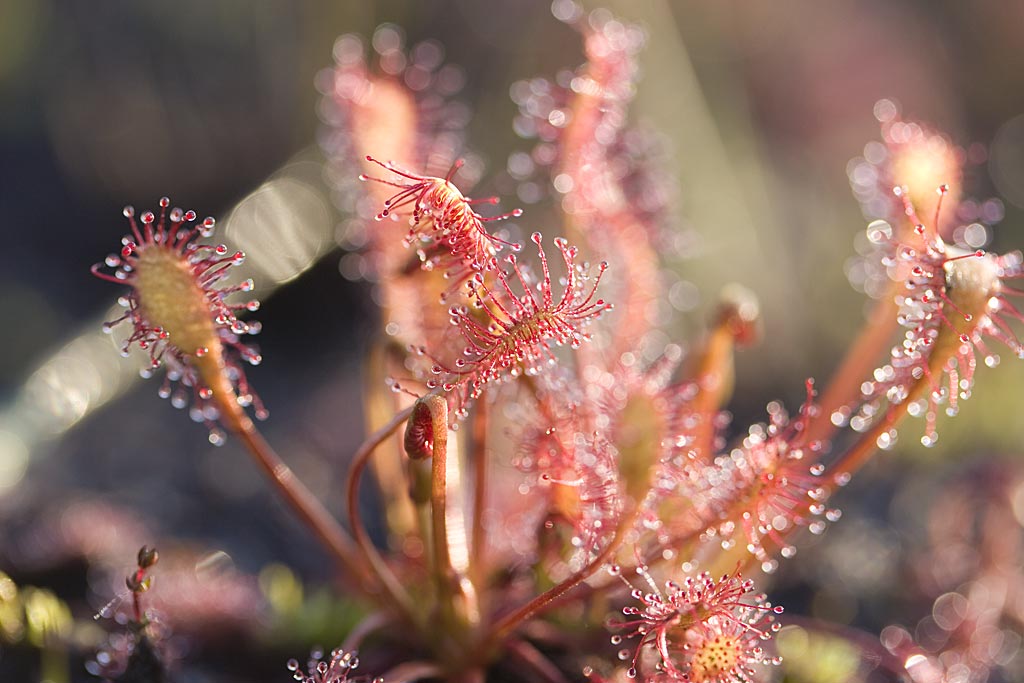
x,y
861,358
478,535
712,366
394,590
456,595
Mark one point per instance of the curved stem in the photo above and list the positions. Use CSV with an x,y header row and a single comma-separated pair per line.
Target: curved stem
x,y
392,587
547,599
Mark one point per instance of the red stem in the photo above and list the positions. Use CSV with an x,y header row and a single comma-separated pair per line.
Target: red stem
x,y
546,599
302,501
392,587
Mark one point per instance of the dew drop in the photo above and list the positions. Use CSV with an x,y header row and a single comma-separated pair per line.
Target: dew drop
x,y
879,232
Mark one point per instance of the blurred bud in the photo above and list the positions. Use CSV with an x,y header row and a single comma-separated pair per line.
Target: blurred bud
x,y
739,309
148,557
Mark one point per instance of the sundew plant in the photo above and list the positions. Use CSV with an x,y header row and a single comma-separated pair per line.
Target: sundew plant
x,y
549,484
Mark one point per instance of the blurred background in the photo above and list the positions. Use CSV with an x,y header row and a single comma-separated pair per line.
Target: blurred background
x,y
213,103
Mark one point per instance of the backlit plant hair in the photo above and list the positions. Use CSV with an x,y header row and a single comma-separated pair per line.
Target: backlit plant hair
x,y
446,230
701,630
180,315
953,299
508,333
